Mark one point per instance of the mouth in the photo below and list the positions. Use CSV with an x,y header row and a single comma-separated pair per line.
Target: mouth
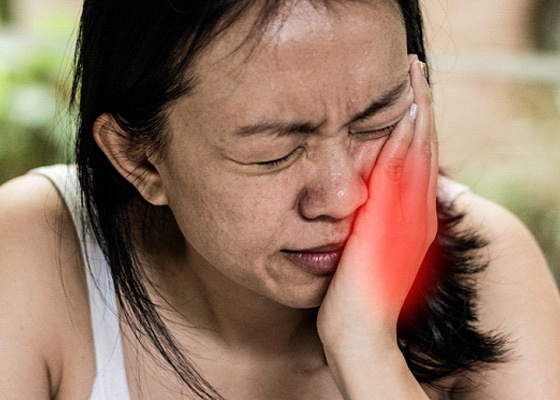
x,y
322,260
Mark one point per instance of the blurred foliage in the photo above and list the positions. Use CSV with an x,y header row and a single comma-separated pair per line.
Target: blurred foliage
x,y
34,125
5,11
546,25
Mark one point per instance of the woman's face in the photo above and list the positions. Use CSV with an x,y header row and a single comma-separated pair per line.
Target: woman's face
x,y
269,157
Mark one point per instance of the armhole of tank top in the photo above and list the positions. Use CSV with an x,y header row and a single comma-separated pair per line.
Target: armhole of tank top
x,y
110,380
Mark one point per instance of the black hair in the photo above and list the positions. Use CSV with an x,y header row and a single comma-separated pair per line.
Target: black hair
x,y
133,60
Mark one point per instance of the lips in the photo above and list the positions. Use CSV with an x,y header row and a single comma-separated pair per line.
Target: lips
x,y
321,260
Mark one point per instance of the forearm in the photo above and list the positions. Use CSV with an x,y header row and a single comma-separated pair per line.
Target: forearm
x,y
368,374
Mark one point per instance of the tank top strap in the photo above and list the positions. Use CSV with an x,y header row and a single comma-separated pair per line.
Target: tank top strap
x,y
110,381
448,190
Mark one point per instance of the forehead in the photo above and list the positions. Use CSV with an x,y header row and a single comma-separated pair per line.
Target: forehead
x,y
298,22
308,54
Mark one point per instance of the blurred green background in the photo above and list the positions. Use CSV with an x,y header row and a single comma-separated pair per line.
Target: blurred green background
x,y
496,83
36,40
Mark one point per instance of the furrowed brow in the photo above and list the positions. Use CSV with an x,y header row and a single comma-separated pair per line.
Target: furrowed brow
x,y
277,128
386,100
287,128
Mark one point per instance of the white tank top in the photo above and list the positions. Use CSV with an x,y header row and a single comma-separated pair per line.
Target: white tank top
x,y
110,380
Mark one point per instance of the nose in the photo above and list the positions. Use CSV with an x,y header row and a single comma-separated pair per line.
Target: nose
x,y
334,190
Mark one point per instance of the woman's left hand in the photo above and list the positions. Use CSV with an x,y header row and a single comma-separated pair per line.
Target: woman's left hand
x,y
358,317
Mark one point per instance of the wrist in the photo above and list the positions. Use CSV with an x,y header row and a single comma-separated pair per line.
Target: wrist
x,y
368,374
346,340
363,352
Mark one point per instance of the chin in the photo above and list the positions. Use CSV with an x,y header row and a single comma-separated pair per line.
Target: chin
x,y
306,298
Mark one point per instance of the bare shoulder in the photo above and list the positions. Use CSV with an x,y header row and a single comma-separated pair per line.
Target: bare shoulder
x,y
519,297
44,317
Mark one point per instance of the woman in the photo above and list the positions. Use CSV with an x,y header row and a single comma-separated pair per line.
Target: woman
x,y
261,222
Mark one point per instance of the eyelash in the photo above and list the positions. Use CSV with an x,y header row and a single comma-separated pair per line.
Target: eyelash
x,y
379,133
279,161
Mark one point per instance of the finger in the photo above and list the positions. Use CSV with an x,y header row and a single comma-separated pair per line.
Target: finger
x,y
385,179
425,96
422,159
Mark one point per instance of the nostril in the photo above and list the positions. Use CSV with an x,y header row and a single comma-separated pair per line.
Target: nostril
x,y
334,199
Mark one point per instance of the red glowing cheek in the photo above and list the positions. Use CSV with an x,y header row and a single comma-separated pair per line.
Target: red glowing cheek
x,y
390,242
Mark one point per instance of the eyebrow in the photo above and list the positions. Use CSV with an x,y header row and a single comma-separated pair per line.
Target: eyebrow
x,y
277,128
386,100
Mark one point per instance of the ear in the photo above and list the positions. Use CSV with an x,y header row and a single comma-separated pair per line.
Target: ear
x,y
132,163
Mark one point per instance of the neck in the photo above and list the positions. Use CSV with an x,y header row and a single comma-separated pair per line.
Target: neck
x,y
199,301
233,314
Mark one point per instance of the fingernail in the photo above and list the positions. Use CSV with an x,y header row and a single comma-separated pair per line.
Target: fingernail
x,y
424,69
413,112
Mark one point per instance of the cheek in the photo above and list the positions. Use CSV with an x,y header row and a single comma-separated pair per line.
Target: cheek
x,y
222,214
365,155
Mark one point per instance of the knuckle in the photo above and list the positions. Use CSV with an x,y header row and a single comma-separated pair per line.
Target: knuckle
x,y
394,168
426,148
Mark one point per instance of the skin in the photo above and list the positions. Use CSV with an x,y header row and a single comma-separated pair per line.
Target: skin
x,y
220,262
311,199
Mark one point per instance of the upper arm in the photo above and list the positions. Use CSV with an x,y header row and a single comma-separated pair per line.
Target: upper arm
x,y
519,298
39,289
24,328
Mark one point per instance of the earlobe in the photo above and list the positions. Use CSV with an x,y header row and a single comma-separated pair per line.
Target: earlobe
x,y
132,163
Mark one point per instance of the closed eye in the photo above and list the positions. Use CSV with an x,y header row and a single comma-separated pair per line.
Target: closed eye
x,y
371,134
279,161
377,133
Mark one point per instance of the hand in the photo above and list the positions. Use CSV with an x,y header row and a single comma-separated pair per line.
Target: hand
x,y
390,237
